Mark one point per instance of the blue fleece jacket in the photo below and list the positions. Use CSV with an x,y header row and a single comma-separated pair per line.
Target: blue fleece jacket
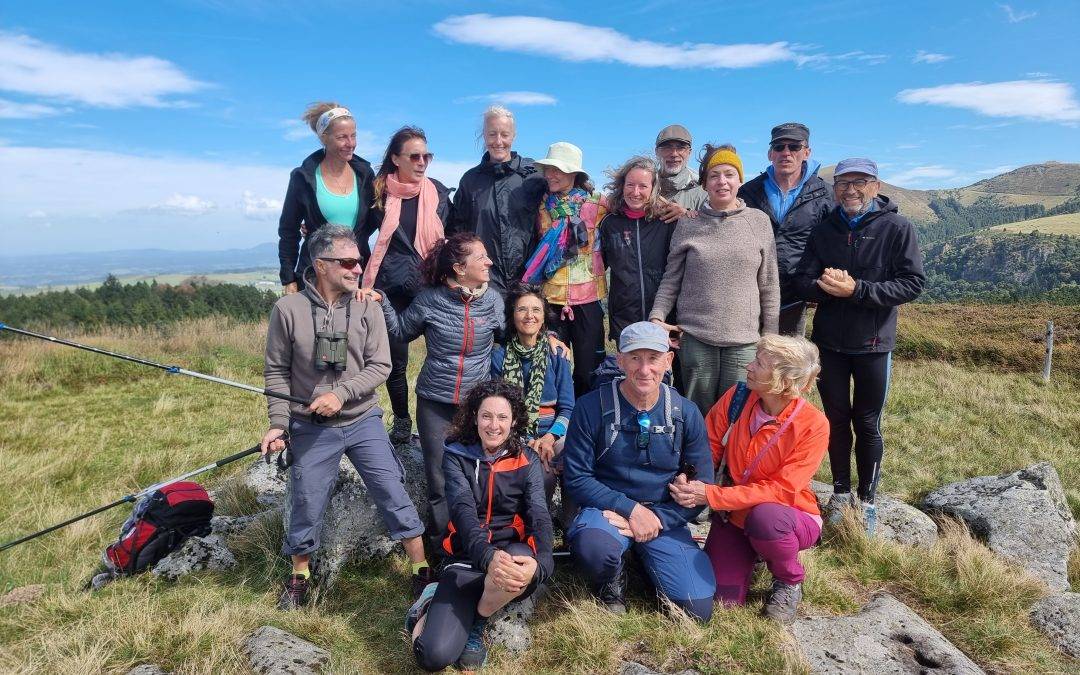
x,y
779,201
557,399
625,475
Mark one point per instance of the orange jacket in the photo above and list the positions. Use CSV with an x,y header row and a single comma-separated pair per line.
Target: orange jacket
x,y
783,475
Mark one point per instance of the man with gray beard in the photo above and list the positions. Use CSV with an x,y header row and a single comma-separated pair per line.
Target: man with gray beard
x,y
678,185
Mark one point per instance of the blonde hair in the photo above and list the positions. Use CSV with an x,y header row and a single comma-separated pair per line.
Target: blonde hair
x,y
618,182
315,110
495,111
795,362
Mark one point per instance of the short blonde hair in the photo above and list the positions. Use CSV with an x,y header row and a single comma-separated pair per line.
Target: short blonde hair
x,y
796,363
496,111
314,112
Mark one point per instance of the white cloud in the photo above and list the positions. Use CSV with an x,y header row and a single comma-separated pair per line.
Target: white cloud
x,y
31,67
906,146
845,62
259,208
1038,74
37,214
187,205
923,56
997,170
920,174
13,110
513,98
1032,99
578,42
1015,16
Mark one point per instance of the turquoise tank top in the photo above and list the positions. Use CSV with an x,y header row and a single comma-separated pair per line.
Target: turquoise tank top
x,y
336,209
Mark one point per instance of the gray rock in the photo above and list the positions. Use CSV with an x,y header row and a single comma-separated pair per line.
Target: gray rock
x,y
352,528
635,668
885,637
1022,516
272,650
509,627
197,553
897,521
147,669
267,481
1059,617
226,526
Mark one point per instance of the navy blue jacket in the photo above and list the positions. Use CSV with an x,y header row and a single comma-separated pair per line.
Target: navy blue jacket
x,y
624,477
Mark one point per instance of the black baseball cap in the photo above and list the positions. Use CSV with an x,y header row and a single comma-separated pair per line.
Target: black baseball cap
x,y
791,131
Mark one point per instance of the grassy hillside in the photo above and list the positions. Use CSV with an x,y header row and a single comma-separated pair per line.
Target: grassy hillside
x,y
82,430
1066,223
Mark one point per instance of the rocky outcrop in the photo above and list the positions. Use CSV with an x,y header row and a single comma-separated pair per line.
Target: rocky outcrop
x,y
267,482
273,651
147,669
1022,516
196,554
509,627
885,637
1058,616
896,520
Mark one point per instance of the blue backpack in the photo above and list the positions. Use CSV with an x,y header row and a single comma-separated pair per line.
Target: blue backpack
x,y
611,414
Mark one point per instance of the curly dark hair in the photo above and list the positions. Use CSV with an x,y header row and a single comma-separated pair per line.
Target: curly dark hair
x,y
439,263
463,428
707,151
518,290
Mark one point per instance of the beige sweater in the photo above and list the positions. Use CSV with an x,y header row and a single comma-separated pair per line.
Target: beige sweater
x,y
721,272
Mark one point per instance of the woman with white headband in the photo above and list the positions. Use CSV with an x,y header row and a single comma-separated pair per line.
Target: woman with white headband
x,y
331,186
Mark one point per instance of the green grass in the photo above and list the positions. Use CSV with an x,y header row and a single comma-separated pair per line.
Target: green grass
x,y
1066,223
82,430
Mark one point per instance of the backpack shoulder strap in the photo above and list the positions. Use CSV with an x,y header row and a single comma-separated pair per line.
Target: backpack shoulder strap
x,y
610,415
674,414
735,408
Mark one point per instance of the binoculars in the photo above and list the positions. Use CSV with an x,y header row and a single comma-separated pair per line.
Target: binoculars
x,y
331,350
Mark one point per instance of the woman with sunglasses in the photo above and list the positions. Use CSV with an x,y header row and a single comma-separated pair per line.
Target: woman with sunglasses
x,y
332,185
762,505
409,212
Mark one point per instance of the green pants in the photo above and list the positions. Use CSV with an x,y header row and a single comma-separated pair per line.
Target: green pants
x,y
709,371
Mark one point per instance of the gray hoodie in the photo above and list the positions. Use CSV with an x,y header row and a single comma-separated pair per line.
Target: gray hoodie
x,y
290,354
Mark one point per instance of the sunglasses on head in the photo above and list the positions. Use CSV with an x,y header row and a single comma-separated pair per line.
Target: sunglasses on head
x,y
347,263
418,156
643,422
793,147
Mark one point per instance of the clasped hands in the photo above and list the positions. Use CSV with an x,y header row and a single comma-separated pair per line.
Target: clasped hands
x,y
511,573
836,282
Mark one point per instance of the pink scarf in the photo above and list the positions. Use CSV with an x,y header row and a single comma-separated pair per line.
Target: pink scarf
x,y
429,229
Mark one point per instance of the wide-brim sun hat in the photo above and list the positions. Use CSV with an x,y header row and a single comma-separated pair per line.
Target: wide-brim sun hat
x,y
565,157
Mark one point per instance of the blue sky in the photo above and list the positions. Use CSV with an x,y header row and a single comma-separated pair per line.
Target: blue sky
x,y
174,124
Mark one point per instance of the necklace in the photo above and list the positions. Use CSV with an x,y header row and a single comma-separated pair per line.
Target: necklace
x,y
340,184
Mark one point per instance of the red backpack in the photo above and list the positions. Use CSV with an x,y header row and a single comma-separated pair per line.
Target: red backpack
x,y
158,525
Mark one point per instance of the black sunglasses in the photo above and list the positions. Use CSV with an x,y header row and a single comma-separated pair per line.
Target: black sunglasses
x,y
793,147
347,263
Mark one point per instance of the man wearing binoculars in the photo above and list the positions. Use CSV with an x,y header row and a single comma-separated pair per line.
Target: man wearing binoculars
x,y
325,345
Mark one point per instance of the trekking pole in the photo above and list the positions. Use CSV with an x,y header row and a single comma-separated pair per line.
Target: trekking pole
x,y
134,497
172,370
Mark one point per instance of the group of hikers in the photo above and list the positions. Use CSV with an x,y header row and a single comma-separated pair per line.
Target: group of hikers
x,y
705,279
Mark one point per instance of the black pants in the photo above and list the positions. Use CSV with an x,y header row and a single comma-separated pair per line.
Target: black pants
x,y
452,611
859,410
585,335
397,384
433,419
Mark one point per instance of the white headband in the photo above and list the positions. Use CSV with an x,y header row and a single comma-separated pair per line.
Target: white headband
x,y
329,116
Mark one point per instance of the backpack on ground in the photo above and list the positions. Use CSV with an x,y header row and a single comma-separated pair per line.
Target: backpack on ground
x,y
158,525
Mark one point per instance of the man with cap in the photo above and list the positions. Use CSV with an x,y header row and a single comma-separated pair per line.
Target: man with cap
x,y
796,199
627,441
860,264
678,185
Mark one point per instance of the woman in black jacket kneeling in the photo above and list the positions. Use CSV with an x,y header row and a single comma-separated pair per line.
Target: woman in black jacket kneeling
x,y
499,539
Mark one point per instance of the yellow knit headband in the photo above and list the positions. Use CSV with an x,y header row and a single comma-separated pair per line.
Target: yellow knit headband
x,y
725,157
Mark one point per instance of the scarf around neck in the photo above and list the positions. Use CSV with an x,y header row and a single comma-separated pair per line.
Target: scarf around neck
x,y
429,229
683,180
560,245
537,356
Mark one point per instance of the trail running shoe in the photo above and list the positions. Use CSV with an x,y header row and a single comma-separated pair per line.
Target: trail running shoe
x,y
612,595
294,595
783,602
834,509
869,513
419,608
475,654
401,431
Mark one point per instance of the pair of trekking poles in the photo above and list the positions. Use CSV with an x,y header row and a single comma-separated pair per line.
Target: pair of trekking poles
x,y
172,370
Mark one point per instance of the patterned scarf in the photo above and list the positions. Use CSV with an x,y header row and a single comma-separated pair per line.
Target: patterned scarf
x,y
560,244
537,355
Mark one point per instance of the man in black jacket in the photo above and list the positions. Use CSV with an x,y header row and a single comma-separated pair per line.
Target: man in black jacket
x,y
859,265
796,200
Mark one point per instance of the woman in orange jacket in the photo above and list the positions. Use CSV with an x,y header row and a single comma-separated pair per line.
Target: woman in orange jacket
x,y
763,506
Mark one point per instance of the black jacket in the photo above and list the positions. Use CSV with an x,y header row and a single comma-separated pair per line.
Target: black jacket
x,y
811,207
635,250
302,208
497,502
882,254
399,273
498,202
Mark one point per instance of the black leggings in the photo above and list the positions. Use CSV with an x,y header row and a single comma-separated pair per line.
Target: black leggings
x,y
859,410
452,611
397,383
585,335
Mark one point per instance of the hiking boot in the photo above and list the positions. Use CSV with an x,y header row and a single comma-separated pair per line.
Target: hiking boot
x,y
421,580
294,596
474,656
869,514
419,607
401,430
612,595
834,509
783,602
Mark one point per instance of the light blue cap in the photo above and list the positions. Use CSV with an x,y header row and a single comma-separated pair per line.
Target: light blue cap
x,y
856,165
643,335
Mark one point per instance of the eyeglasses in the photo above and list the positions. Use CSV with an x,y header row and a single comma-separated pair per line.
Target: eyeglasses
x,y
643,422
673,145
418,156
858,183
792,147
347,263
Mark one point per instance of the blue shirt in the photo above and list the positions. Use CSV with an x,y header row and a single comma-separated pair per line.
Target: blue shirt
x,y
781,201
337,209
852,223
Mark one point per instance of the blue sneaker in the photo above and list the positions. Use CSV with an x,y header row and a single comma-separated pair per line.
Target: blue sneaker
x,y
475,654
412,617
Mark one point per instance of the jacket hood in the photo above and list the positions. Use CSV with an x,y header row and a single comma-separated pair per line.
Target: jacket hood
x,y
499,168
311,293
709,211
810,169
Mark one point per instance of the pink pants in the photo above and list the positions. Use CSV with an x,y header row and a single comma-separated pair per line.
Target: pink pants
x,y
773,532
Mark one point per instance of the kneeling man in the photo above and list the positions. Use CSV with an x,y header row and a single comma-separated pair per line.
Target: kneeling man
x,y
626,442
